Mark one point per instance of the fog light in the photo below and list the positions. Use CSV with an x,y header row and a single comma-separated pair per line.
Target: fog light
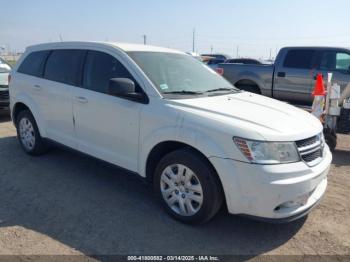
x,y
298,202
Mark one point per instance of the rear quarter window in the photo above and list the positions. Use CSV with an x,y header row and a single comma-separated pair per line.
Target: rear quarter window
x,y
34,64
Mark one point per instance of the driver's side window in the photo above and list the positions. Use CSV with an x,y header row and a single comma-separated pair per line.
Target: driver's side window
x,y
100,68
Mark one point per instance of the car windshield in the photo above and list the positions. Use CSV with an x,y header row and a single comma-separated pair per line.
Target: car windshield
x,y
180,74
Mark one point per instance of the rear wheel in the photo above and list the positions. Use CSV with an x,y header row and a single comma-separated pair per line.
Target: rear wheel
x,y
252,89
188,187
28,134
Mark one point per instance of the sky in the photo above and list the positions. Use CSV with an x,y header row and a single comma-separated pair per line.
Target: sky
x,y
249,28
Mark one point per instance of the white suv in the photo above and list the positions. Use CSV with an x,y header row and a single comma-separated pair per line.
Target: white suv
x,y
167,117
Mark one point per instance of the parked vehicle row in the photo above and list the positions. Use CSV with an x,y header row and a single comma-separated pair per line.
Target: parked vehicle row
x,y
5,68
291,78
167,117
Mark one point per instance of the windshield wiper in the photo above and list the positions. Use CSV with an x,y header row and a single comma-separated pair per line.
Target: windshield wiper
x,y
222,89
183,92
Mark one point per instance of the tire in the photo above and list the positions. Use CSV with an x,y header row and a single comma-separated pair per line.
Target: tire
x,y
343,125
331,140
252,89
198,182
28,134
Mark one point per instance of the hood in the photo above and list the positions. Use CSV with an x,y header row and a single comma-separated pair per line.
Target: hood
x,y
271,119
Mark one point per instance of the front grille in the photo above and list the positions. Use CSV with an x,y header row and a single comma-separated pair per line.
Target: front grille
x,y
312,156
307,142
4,95
311,149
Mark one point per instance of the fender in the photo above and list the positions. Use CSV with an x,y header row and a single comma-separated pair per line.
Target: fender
x,y
189,136
252,77
33,107
202,143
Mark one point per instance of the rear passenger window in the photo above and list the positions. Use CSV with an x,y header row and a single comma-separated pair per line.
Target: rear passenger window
x,y
302,59
100,68
64,66
34,63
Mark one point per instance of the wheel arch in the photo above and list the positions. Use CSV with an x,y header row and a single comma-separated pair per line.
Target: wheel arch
x,y
17,108
243,83
25,103
165,147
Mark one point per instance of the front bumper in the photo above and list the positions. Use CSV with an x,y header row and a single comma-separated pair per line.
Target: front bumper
x,y
274,193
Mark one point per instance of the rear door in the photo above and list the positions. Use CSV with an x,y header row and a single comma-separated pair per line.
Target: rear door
x,y
294,76
338,63
29,79
62,75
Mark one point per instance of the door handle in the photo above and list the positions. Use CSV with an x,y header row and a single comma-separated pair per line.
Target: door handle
x,y
281,74
37,87
81,99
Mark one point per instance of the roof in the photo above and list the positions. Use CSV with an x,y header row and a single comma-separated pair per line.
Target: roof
x,y
126,47
317,47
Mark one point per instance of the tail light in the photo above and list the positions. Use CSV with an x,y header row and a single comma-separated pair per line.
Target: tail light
x,y
9,79
220,71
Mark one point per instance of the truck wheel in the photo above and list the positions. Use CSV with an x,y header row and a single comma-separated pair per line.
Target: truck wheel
x,y
331,140
28,134
252,89
188,187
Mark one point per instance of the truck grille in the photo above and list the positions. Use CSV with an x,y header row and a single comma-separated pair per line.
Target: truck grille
x,y
4,95
311,149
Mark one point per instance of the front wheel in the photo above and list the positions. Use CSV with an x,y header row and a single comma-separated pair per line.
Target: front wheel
x,y
188,187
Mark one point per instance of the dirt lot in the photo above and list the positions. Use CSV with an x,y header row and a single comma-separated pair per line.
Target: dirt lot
x,y
66,203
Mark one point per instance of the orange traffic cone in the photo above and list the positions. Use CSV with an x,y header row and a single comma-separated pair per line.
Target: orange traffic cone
x,y
319,89
319,98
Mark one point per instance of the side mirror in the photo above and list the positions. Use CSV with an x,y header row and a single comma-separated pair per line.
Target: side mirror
x,y
125,88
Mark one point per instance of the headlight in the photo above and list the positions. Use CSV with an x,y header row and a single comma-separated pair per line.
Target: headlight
x,y
260,152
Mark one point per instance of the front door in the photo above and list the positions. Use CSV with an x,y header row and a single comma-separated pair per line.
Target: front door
x,y
107,127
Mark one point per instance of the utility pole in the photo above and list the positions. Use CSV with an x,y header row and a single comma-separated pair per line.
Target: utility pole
x,y
237,51
144,39
211,49
270,53
193,40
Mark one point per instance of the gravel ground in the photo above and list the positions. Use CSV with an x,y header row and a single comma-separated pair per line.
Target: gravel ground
x,y
66,203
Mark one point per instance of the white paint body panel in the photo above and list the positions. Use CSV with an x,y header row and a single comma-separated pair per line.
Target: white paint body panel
x,y
123,132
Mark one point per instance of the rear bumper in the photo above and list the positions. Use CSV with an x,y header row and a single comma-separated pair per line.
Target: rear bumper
x,y
273,193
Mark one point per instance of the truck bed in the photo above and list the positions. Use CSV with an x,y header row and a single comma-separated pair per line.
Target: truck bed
x,y
246,77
